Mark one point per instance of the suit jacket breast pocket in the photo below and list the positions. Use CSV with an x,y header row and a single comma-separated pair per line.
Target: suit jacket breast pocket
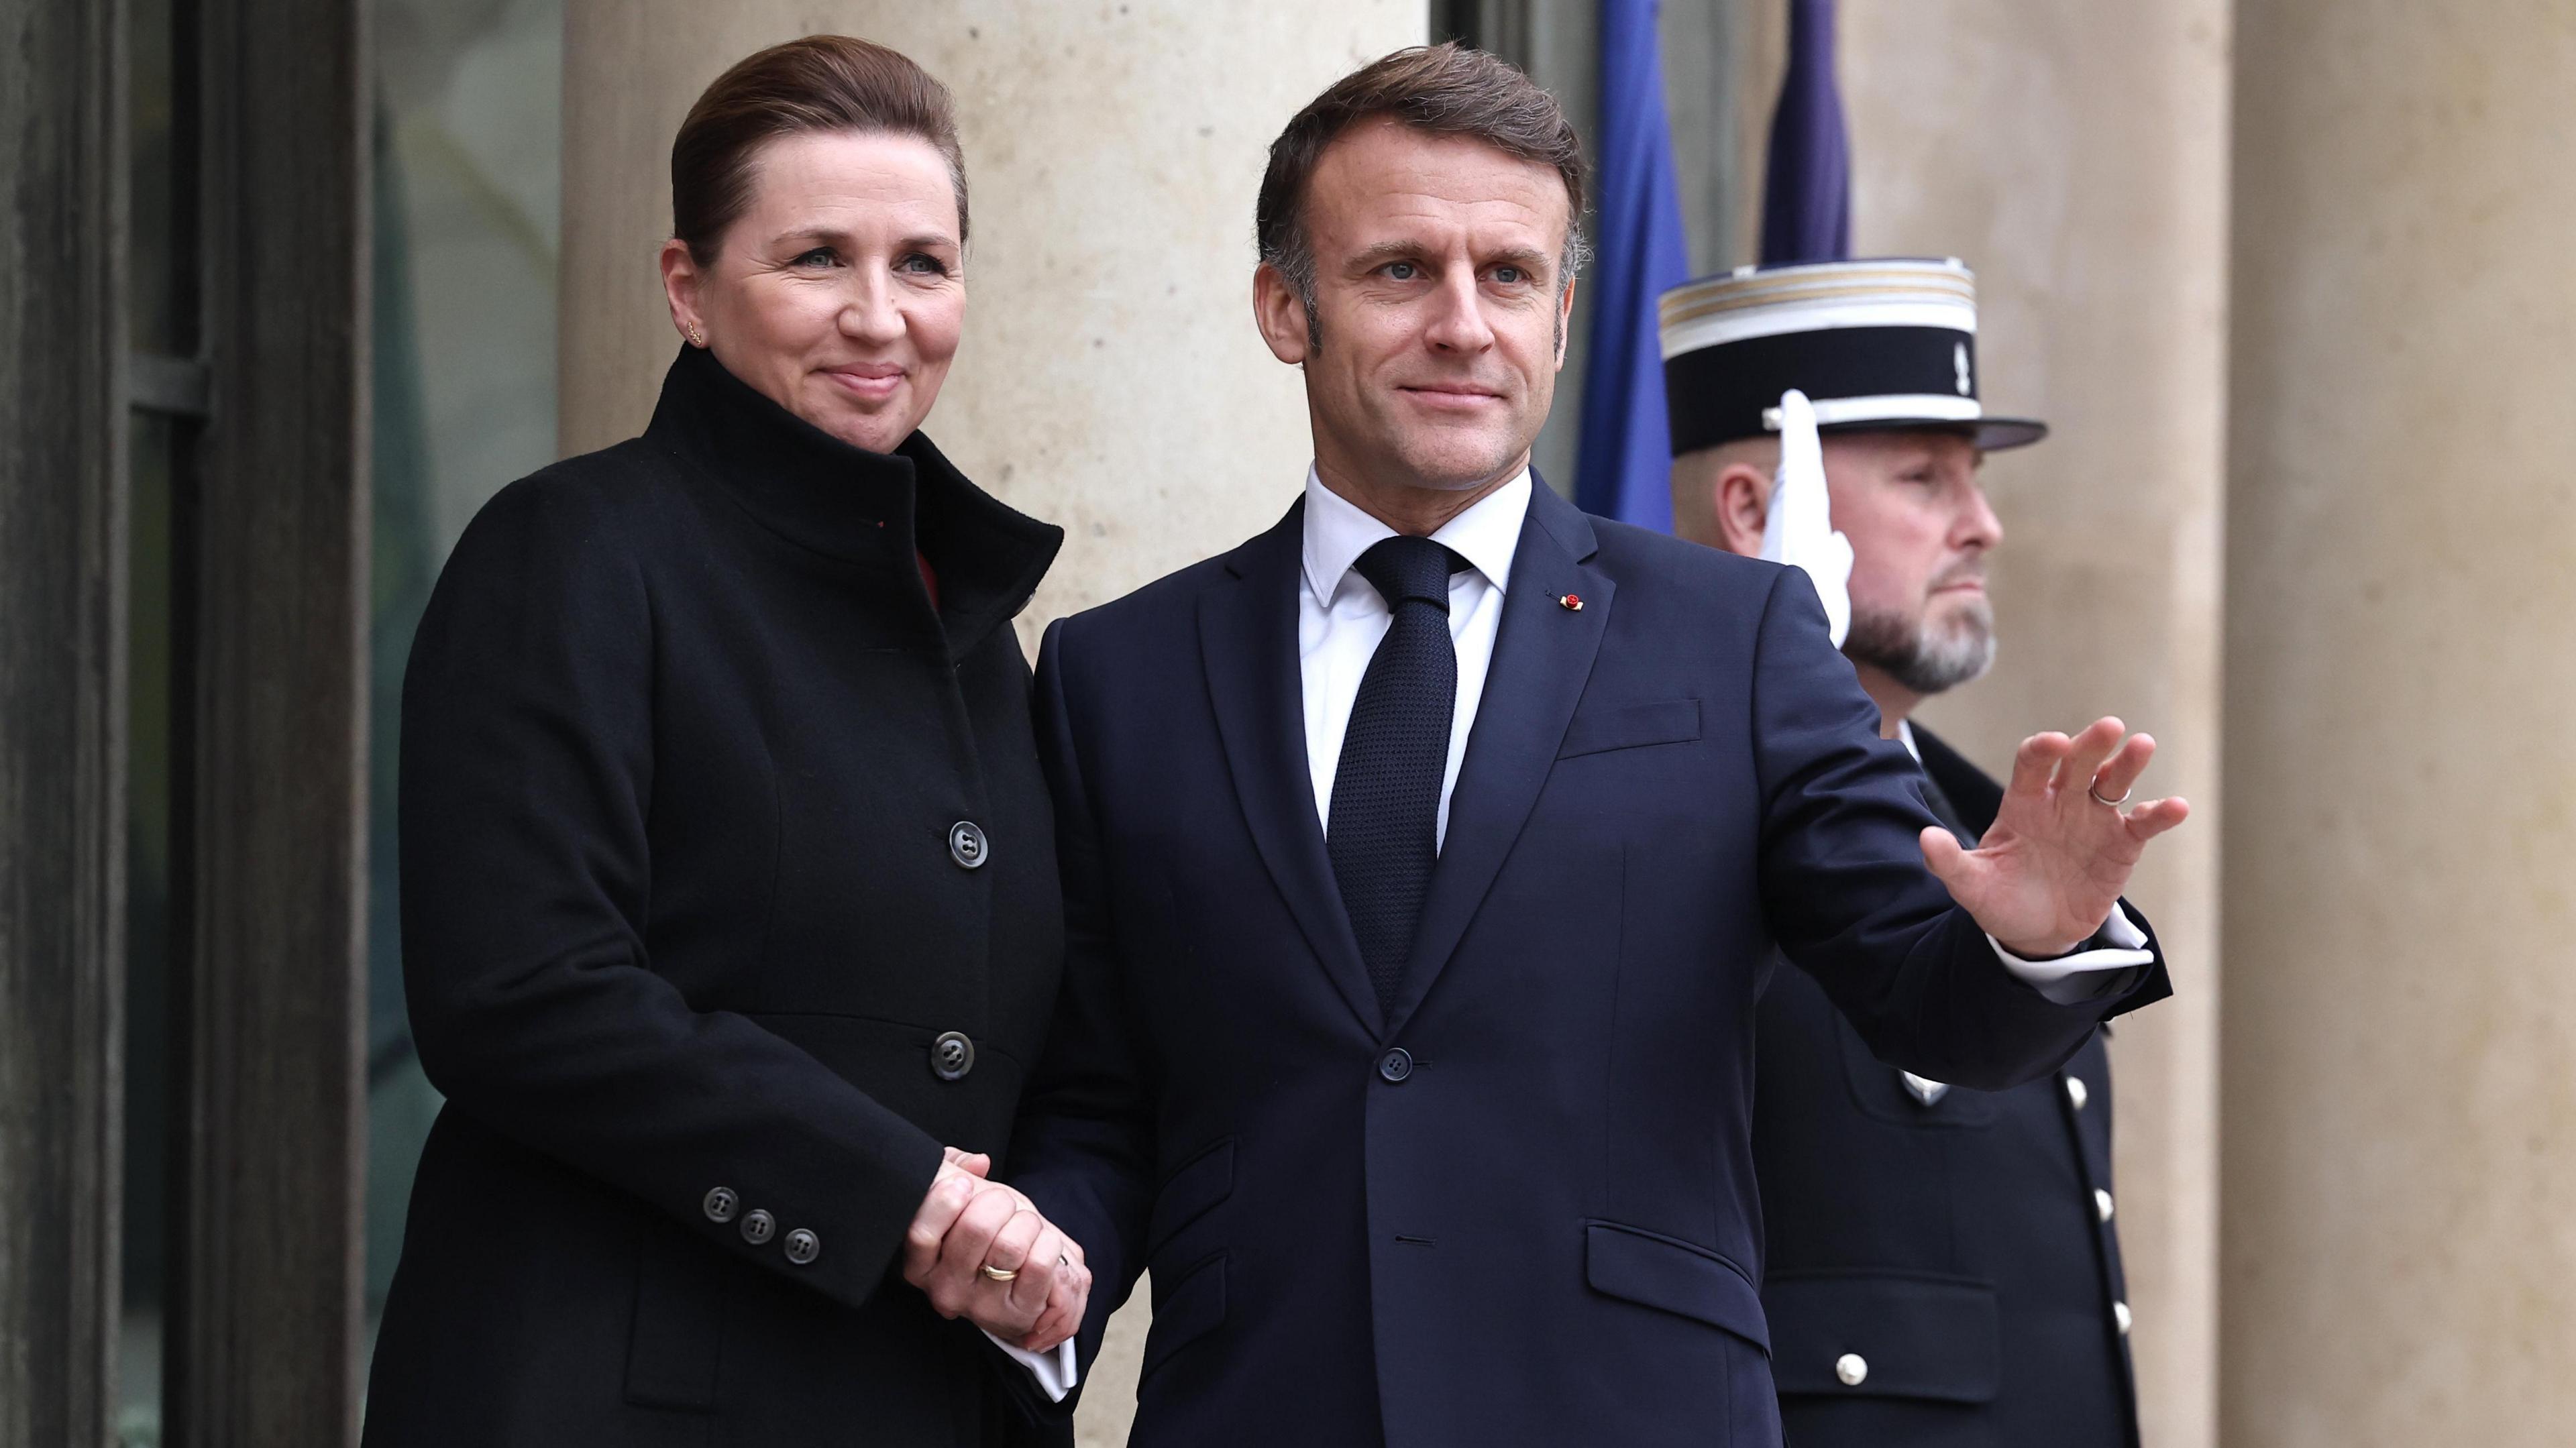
x,y
1600,728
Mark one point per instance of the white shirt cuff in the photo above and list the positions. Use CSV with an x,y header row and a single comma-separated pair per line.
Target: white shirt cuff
x,y
2070,978
1054,1371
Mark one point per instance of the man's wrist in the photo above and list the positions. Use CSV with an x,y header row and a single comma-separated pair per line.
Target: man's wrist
x,y
2036,953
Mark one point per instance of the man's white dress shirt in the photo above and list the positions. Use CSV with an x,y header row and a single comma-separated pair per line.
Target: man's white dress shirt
x,y
1341,618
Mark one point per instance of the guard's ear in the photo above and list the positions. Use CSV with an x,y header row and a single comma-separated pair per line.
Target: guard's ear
x,y
1743,507
1280,314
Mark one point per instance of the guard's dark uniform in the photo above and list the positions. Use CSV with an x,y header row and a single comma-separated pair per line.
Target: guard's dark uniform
x,y
1941,1275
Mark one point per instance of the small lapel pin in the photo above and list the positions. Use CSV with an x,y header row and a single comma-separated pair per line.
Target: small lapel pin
x,y
1573,602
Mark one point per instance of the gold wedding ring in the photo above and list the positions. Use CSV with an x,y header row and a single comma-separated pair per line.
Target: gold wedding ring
x,y
999,1274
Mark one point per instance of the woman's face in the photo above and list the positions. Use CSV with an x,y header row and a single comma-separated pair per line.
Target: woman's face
x,y
840,290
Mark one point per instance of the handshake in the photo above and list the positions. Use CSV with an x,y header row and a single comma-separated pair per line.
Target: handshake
x,y
981,1251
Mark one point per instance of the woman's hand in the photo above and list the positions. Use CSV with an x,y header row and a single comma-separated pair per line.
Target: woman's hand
x,y
967,1224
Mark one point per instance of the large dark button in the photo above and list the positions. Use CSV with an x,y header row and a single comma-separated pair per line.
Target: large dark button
x,y
758,1226
803,1247
967,845
721,1203
1395,1065
952,1056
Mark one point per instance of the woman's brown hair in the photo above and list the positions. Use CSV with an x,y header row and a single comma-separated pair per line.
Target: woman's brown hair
x,y
819,83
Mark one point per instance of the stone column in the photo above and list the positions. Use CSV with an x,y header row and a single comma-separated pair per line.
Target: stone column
x,y
2076,156
1110,379
2400,1218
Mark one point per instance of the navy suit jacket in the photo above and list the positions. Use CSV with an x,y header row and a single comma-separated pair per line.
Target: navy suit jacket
x,y
1519,1208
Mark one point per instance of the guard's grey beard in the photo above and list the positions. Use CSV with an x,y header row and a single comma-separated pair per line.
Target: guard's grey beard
x,y
1926,659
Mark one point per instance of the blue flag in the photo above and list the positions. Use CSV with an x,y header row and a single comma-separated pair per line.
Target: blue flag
x,y
1806,193
1624,467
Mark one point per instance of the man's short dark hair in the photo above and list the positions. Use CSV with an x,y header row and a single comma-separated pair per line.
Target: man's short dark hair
x,y
1443,90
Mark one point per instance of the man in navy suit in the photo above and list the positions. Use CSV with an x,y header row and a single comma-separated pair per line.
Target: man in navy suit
x,y
1424,856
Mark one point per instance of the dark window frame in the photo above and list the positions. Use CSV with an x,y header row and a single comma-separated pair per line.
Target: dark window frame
x,y
269,666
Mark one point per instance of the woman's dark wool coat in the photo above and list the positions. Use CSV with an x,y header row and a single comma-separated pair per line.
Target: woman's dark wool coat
x,y
685,749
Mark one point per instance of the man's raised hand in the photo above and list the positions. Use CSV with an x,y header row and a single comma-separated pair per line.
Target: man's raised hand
x,y
2048,872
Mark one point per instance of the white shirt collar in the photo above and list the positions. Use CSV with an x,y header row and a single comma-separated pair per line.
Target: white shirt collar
x,y
1905,736
1487,535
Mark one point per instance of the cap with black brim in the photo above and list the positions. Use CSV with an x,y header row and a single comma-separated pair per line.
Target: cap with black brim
x,y
1884,344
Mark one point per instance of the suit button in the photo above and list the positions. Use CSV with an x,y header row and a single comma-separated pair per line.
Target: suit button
x,y
1852,1368
721,1203
967,845
2102,1204
2120,1315
1395,1065
803,1247
758,1226
952,1056
2076,1092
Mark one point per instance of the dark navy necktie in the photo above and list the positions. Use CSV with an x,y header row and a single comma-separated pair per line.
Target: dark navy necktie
x,y
1386,792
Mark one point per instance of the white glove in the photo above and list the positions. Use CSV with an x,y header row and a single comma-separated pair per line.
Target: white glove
x,y
1800,528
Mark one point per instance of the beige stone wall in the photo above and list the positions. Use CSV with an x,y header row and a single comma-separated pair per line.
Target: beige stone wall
x,y
1110,378
2076,156
2400,1060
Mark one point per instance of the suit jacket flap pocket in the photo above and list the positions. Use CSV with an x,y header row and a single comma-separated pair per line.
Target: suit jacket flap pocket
x,y
1190,1193
1191,1309
1922,1337
1627,726
1659,1271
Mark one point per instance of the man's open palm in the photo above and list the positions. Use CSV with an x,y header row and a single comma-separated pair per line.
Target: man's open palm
x,y
2046,875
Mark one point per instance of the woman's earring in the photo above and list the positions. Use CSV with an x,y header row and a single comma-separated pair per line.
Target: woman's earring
x,y
697,338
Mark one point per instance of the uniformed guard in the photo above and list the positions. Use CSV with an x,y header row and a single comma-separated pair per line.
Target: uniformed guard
x,y
1943,1263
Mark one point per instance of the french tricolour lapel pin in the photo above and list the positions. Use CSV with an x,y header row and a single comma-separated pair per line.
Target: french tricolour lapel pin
x,y
1573,602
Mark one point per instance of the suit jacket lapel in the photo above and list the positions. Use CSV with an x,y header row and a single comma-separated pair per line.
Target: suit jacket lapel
x,y
1542,657
1248,645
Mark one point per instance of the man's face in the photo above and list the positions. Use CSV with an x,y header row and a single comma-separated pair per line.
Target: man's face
x,y
1920,530
1438,308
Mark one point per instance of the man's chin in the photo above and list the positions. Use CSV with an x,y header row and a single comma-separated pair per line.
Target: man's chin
x,y
1457,468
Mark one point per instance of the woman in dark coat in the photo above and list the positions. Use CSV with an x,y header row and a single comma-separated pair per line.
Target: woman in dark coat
x,y
730,916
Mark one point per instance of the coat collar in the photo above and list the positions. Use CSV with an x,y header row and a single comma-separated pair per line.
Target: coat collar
x,y
871,509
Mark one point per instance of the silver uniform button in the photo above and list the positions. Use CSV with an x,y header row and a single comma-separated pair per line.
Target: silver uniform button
x,y
721,1204
1852,1368
2120,1315
967,845
758,1227
803,1247
2102,1203
2076,1092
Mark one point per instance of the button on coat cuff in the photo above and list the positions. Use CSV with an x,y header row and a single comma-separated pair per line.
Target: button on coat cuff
x,y
1054,1371
2070,979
